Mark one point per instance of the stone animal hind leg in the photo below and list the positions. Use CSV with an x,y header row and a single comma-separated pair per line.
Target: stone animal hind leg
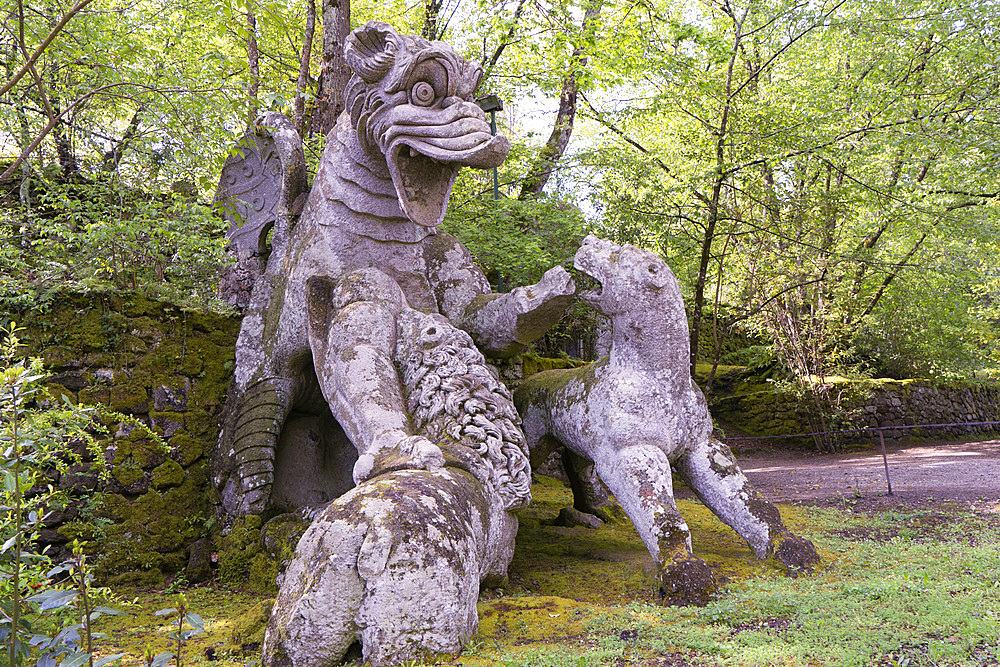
x,y
639,476
589,494
711,470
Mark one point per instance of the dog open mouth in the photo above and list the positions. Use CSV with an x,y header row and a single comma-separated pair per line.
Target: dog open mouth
x,y
424,160
589,288
589,261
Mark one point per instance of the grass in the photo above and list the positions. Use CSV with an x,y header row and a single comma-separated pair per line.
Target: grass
x,y
902,587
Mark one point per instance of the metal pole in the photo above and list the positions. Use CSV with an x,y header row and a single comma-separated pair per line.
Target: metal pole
x,y
885,460
493,131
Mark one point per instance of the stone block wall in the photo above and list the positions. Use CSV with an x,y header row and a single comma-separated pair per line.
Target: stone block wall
x,y
869,403
167,370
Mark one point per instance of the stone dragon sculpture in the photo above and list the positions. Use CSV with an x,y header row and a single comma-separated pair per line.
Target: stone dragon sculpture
x,y
380,191
364,322
636,415
397,561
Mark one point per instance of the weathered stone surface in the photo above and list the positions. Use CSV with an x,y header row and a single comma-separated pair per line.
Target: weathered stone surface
x,y
637,413
265,168
570,517
171,398
440,460
199,565
381,189
395,563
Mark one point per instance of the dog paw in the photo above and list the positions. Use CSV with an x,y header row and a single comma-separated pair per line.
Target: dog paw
x,y
796,554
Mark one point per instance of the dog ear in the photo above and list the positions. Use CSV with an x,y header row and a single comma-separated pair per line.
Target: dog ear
x,y
654,272
371,49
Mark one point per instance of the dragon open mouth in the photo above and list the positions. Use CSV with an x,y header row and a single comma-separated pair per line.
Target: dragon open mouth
x,y
424,160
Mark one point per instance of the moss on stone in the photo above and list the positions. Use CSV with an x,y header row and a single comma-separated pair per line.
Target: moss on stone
x,y
248,630
167,475
186,449
532,363
198,423
129,398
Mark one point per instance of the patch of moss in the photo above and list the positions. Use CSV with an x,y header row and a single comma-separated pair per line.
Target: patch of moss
x,y
154,529
186,449
164,358
129,398
242,561
167,475
532,618
140,628
248,630
200,424
137,449
532,363
145,579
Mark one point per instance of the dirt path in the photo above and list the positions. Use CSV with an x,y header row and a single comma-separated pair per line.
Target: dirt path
x,y
940,471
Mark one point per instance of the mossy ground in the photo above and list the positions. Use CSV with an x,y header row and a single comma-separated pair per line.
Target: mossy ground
x,y
901,586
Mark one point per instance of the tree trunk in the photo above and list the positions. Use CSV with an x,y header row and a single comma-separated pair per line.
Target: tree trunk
x,y
113,156
253,60
698,307
303,80
335,73
541,170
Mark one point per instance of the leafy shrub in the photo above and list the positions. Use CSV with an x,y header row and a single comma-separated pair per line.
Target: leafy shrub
x,y
88,233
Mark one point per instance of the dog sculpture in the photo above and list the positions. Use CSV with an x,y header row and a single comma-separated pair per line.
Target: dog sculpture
x,y
637,415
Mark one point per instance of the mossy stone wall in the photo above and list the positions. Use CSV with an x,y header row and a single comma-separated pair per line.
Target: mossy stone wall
x,y
167,369
868,403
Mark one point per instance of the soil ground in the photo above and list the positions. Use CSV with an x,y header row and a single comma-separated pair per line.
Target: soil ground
x,y
921,474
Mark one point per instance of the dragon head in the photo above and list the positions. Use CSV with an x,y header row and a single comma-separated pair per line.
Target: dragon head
x,y
412,100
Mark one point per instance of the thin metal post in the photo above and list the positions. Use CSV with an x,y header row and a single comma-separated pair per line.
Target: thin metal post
x,y
885,460
493,131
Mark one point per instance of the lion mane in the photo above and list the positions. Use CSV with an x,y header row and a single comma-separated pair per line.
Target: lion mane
x,y
454,396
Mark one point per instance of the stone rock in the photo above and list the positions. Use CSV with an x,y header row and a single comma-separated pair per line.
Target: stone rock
x,y
395,563
174,399
199,565
570,517
638,416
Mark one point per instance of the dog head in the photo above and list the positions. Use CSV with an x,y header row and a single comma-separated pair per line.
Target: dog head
x,y
632,280
412,101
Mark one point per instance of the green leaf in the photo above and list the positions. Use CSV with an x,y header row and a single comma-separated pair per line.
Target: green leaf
x,y
109,659
53,599
161,659
165,612
75,660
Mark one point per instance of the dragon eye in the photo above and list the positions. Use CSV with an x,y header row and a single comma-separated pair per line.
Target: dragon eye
x,y
422,94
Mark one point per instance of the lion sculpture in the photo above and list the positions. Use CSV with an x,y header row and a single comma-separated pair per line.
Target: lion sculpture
x,y
637,415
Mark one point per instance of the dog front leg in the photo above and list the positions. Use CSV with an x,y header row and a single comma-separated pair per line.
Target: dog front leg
x,y
711,470
639,477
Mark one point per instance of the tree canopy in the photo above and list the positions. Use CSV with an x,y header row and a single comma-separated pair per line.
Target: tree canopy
x,y
819,174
